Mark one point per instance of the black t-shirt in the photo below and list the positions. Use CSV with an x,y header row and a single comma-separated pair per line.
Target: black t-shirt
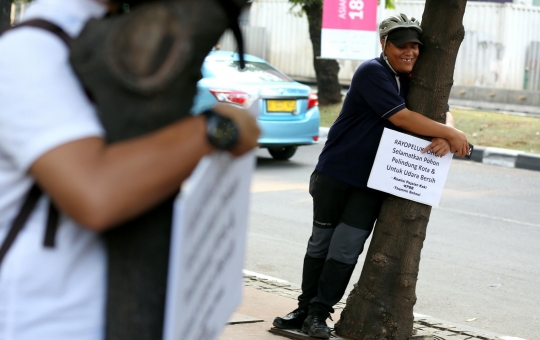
x,y
375,94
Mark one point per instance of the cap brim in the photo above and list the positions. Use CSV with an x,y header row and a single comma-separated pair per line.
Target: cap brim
x,y
403,36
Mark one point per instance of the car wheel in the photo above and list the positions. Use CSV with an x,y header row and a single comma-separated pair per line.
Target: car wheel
x,y
282,153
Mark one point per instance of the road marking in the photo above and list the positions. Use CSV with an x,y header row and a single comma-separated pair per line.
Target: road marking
x,y
272,186
496,218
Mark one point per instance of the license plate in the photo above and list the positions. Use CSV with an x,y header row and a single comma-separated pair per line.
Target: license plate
x,y
281,105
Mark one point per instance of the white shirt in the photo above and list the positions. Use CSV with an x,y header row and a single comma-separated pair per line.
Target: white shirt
x,y
46,293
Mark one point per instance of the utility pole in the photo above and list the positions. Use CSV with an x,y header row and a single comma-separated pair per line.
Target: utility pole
x,y
381,304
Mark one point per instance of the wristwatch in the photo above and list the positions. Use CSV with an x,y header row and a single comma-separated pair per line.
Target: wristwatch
x,y
221,131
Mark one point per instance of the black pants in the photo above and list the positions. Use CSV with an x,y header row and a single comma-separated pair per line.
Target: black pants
x,y
343,218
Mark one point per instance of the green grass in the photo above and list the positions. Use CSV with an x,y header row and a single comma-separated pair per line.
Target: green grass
x,y
482,128
499,130
329,113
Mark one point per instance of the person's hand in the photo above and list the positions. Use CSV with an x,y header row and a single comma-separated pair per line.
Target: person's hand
x,y
458,143
247,127
439,146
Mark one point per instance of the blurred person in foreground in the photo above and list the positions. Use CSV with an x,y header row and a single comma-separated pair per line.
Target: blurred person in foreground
x,y
50,134
344,208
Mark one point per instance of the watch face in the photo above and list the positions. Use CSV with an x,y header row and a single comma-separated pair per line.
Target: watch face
x,y
222,132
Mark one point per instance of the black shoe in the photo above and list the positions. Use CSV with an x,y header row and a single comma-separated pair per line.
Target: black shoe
x,y
315,326
294,319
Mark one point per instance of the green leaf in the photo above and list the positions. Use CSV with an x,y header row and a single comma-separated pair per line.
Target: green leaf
x,y
390,4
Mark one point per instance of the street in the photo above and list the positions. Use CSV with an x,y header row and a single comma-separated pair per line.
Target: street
x,y
480,262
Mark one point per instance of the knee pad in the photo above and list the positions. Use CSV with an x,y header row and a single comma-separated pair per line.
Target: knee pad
x,y
347,243
319,242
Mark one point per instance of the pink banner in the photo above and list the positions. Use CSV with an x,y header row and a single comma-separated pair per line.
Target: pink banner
x,y
350,14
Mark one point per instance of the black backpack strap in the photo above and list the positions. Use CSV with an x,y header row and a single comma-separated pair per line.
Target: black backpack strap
x,y
52,226
46,25
24,213
18,223
35,192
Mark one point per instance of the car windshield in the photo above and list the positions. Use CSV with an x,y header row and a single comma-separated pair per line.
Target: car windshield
x,y
255,72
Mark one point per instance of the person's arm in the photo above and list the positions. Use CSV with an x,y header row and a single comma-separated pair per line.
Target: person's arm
x,y
416,123
449,119
101,185
441,146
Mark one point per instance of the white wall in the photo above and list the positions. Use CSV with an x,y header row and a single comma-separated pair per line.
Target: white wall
x,y
493,53
289,47
17,10
497,36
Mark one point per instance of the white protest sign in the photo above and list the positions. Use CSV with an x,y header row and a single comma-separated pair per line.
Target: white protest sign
x,y
207,248
401,169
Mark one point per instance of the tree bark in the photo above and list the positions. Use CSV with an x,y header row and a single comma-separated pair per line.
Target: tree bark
x,y
5,13
381,303
326,70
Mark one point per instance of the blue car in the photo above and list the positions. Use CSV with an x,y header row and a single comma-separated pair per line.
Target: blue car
x,y
288,111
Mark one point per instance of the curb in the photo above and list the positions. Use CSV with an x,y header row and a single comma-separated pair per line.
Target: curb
x,y
323,132
505,157
508,108
423,324
494,156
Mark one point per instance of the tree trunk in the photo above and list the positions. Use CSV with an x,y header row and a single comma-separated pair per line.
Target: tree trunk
x,y
326,70
381,303
5,13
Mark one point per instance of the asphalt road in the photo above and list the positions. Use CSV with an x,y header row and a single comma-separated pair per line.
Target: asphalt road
x,y
481,257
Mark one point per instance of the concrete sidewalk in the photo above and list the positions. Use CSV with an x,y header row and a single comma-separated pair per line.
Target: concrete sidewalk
x,y
266,297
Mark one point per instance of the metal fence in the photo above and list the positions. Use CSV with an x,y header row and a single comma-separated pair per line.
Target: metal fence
x,y
254,41
498,50
17,10
501,48
531,79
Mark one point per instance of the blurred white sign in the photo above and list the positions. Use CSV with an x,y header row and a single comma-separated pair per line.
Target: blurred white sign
x,y
207,248
401,169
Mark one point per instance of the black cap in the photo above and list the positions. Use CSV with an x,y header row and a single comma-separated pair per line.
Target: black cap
x,y
404,35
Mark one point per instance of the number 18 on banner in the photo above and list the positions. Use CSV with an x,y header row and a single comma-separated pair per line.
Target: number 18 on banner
x,y
349,29
356,9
